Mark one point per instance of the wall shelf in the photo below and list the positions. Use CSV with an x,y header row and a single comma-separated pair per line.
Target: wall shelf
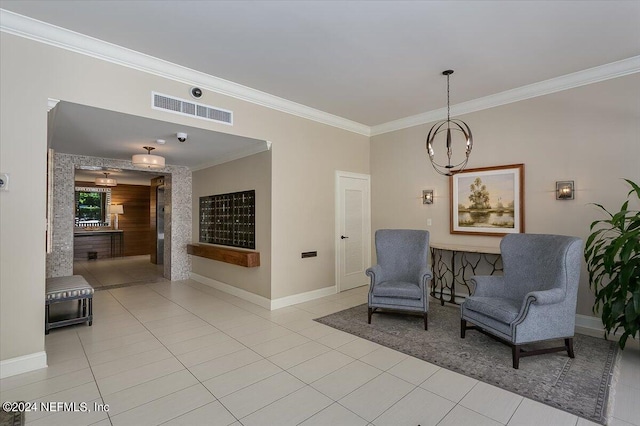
x,y
248,259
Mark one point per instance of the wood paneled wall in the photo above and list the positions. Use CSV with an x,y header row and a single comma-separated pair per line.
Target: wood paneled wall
x,y
135,220
101,244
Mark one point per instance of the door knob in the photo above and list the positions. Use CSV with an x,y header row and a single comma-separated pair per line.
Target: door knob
x,y
342,237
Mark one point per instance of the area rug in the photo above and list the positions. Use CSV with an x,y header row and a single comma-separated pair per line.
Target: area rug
x,y
579,386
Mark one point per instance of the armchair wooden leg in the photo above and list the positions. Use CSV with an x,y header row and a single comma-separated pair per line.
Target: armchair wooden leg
x,y
425,321
515,350
463,328
569,344
369,311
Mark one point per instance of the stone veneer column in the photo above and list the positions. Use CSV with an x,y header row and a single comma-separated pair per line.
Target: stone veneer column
x,y
177,213
60,260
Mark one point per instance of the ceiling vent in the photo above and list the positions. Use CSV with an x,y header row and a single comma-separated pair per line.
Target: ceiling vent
x,y
191,109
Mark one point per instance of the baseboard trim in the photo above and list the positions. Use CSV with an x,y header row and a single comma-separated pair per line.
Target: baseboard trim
x,y
302,297
585,324
23,364
234,291
271,304
591,326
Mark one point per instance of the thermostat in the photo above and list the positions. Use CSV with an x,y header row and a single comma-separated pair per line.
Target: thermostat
x,y
4,181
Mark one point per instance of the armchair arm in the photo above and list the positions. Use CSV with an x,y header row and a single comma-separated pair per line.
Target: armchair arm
x,y
424,276
376,275
539,299
546,297
488,285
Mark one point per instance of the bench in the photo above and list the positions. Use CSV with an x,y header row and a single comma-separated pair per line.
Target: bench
x,y
64,289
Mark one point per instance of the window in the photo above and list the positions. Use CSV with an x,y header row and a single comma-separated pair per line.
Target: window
x,y
91,206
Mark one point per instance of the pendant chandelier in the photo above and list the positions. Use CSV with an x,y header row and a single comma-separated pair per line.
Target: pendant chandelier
x,y
106,181
148,160
448,126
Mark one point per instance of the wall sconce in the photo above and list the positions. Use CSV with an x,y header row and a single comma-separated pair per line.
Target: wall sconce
x,y
565,190
427,196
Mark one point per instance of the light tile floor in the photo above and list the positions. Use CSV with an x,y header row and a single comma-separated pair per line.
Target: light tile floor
x,y
120,270
182,353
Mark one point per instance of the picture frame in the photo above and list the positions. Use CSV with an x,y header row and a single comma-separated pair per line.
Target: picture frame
x,y
487,201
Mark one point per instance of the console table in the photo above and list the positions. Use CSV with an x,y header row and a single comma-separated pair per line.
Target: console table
x,y
453,265
115,236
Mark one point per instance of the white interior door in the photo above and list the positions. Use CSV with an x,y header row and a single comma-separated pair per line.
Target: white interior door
x,y
353,229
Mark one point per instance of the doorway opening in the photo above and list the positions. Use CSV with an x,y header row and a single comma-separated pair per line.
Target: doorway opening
x,y
83,137
118,235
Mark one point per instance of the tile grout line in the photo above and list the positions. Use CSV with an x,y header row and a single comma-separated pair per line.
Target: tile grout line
x,y
172,354
231,337
264,358
519,404
94,377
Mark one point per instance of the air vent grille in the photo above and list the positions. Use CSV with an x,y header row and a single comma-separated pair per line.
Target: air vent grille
x,y
189,108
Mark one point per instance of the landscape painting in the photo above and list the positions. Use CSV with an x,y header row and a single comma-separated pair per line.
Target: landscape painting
x,y
488,201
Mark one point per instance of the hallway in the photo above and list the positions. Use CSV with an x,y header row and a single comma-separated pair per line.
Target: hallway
x,y
119,272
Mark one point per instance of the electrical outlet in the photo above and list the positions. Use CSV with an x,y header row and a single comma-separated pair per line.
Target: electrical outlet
x,y
428,222
4,181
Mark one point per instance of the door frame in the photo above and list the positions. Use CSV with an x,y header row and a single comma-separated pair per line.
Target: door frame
x,y
340,174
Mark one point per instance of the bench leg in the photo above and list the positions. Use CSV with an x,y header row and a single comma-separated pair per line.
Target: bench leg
x,y
90,300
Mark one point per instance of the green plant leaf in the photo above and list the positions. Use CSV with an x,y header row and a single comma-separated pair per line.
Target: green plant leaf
x,y
630,246
623,340
630,314
612,253
602,208
636,188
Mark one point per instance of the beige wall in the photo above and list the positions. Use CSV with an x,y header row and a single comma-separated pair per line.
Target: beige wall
x,y
304,157
589,134
253,172
22,209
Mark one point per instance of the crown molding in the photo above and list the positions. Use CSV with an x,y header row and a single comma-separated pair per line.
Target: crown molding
x,y
51,103
23,26
558,84
13,23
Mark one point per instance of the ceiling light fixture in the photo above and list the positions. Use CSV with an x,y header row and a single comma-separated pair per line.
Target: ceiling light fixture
x,y
449,169
148,160
106,180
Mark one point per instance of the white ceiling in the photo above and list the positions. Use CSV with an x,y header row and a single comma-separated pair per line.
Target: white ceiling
x,y
368,61
83,130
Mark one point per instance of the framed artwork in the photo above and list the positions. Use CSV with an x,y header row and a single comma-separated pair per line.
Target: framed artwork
x,y
488,201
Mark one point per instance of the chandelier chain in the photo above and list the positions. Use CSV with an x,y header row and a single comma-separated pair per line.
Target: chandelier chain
x,y
448,106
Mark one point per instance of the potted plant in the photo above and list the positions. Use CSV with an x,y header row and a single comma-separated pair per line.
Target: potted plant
x,y
612,253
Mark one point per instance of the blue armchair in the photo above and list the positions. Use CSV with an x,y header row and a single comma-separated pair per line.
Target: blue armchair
x,y
400,279
535,300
